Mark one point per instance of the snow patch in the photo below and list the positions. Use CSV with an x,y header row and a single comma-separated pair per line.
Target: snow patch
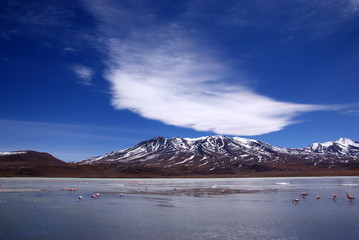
x,y
10,153
203,163
244,140
186,160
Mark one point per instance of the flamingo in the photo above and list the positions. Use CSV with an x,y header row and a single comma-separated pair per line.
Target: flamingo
x,y
80,197
318,197
350,197
334,196
295,200
304,195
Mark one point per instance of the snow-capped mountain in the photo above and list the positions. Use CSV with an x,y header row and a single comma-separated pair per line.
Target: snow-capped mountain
x,y
213,147
194,156
219,152
344,146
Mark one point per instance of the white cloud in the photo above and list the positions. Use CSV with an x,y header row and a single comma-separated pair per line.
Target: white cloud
x,y
84,73
69,49
353,6
179,85
162,73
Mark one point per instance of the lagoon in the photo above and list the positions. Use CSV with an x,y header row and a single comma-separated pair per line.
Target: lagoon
x,y
221,208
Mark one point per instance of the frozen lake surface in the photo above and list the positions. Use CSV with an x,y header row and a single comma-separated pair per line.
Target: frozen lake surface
x,y
249,208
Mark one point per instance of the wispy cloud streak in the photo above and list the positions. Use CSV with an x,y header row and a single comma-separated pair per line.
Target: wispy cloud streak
x,y
84,73
68,142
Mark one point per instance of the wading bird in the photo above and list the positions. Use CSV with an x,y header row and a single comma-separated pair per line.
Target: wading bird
x,y
304,195
350,197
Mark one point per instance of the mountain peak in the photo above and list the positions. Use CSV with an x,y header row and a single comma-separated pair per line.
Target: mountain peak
x,y
158,138
346,141
343,146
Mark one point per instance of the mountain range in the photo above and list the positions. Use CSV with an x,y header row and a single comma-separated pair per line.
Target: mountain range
x,y
194,156
218,154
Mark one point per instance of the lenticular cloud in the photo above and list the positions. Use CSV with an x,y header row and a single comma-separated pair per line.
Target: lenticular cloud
x,y
180,88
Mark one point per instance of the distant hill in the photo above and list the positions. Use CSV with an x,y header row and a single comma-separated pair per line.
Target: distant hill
x,y
40,164
28,158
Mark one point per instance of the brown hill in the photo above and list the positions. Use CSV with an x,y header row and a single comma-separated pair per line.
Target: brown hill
x,y
41,164
29,158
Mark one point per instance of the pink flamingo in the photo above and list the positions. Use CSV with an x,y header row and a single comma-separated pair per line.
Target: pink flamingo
x,y
318,197
304,195
334,196
295,200
350,197
80,197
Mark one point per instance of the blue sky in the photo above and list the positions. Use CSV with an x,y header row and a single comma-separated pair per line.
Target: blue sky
x,y
83,78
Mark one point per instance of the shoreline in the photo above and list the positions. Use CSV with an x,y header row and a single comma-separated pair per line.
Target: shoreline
x,y
300,173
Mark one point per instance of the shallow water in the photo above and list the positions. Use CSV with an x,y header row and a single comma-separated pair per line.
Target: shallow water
x,y
256,208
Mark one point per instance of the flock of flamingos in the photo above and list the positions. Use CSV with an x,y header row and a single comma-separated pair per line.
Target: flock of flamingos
x,y
304,195
222,191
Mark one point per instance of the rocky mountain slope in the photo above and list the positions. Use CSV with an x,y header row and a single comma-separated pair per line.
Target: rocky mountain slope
x,y
225,154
